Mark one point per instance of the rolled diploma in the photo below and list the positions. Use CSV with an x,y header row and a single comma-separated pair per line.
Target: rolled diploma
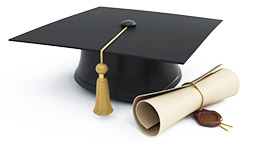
x,y
154,113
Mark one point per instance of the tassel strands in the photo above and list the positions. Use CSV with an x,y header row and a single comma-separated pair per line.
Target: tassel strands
x,y
103,105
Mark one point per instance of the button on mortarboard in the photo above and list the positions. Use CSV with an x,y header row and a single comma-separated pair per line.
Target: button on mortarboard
x,y
128,23
143,59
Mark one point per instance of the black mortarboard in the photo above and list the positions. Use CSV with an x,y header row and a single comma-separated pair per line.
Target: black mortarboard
x,y
143,59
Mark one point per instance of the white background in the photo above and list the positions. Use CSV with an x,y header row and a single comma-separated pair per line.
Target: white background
x,y
40,103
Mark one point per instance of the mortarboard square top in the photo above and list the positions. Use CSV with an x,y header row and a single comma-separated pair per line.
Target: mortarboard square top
x,y
143,59
165,37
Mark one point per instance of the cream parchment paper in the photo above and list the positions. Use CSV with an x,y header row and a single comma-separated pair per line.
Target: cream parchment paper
x,y
155,112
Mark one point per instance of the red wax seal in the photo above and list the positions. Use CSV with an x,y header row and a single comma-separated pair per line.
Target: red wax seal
x,y
208,118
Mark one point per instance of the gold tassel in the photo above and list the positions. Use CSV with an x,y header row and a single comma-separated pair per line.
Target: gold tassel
x,y
103,105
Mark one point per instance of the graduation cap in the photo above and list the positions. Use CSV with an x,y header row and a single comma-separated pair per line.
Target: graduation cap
x,y
142,49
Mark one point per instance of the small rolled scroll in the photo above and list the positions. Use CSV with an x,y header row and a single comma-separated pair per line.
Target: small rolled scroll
x,y
155,112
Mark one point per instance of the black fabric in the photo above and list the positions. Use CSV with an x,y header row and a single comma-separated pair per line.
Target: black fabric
x,y
156,36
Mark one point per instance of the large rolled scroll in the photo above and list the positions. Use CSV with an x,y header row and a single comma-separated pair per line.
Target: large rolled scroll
x,y
155,112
